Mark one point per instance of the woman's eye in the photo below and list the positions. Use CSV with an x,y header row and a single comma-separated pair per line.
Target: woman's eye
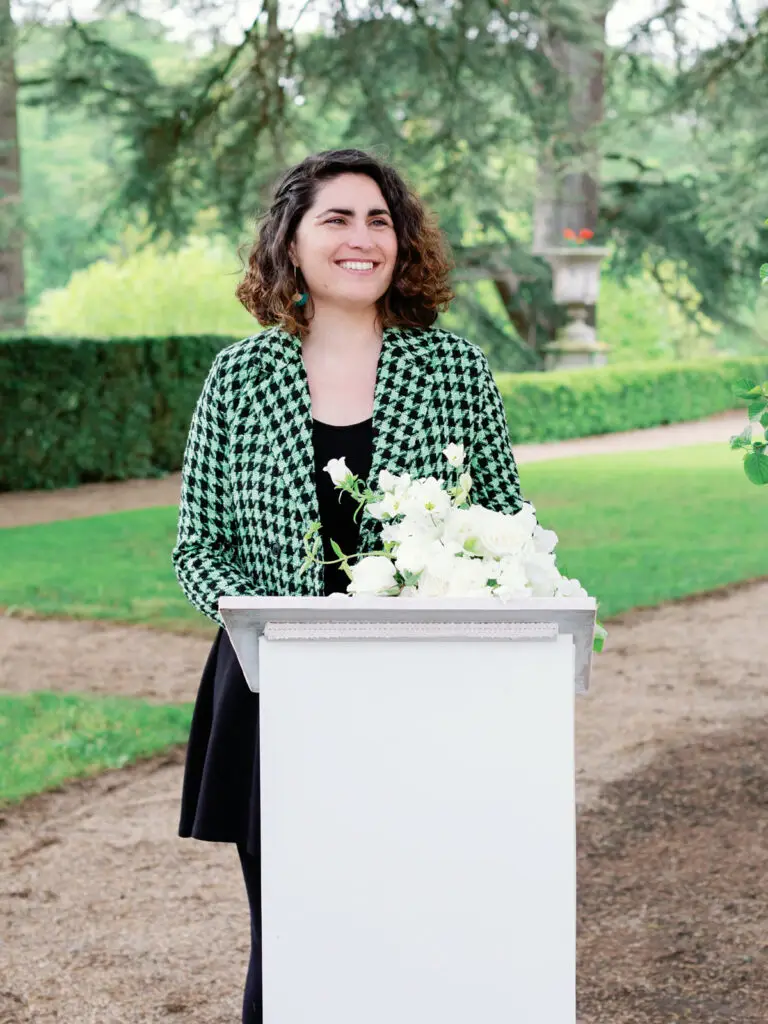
x,y
377,220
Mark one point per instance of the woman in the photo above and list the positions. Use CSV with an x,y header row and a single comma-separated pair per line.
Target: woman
x,y
348,275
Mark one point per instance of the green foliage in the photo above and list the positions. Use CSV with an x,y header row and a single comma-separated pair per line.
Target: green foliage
x,y
148,288
75,411
755,458
577,403
640,323
48,738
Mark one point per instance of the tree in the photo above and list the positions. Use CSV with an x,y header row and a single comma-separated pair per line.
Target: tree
x,y
12,304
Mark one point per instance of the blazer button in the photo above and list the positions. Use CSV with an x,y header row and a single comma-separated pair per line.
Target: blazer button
x,y
275,547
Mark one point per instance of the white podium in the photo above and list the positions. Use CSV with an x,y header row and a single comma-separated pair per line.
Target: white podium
x,y
417,802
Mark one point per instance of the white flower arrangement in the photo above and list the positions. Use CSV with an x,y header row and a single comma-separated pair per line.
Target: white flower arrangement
x,y
438,544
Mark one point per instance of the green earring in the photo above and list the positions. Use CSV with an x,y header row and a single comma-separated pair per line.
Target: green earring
x,y
299,298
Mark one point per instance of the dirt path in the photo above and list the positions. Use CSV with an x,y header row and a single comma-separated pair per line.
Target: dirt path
x,y
110,918
23,507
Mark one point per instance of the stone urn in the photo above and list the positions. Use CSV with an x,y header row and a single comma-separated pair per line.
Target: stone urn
x,y
576,285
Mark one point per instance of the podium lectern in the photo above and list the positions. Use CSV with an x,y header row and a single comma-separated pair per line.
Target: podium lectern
x,y
417,805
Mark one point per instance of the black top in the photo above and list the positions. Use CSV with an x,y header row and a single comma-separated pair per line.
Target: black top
x,y
353,442
220,799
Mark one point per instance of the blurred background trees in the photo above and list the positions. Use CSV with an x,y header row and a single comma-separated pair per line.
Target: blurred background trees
x,y
145,159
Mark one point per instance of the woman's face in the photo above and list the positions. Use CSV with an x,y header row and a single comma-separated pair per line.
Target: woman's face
x,y
345,244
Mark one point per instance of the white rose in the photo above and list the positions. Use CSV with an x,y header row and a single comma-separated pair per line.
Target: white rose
x,y
499,533
570,588
544,540
513,580
542,573
338,470
470,576
411,555
372,575
455,454
458,526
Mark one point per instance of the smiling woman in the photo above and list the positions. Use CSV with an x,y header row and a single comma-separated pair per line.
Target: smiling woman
x,y
348,273
345,228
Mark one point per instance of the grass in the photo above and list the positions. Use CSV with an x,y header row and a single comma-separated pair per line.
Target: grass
x,y
645,527
47,738
636,529
115,566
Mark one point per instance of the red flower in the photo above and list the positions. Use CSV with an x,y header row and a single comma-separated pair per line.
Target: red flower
x,y
586,234
570,234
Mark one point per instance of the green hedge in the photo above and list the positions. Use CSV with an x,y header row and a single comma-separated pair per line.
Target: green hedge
x,y
75,411
576,403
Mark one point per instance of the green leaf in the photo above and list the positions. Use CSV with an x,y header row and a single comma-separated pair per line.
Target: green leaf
x,y
744,387
744,439
756,467
764,270
756,407
599,638
764,420
337,550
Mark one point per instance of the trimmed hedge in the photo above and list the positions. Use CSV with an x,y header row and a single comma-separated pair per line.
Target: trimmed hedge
x,y
576,403
74,411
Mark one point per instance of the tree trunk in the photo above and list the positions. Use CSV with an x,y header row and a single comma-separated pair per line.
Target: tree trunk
x,y
568,192
568,181
12,300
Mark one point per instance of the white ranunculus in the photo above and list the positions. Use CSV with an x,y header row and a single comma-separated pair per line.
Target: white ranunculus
x,y
455,454
372,575
338,469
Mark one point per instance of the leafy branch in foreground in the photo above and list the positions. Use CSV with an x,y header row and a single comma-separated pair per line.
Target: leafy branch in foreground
x,y
755,459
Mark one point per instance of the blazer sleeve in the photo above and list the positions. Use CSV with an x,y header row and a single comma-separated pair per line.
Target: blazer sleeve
x,y
204,557
495,482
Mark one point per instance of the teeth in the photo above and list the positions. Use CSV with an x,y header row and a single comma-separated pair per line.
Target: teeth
x,y
356,265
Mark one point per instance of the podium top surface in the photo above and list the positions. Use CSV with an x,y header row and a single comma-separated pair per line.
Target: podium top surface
x,y
575,616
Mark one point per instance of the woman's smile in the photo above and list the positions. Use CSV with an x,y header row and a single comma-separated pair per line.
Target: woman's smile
x,y
358,266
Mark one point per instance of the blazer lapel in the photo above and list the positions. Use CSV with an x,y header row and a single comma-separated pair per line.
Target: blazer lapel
x,y
401,413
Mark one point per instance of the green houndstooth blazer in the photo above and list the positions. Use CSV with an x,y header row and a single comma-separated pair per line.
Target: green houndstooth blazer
x,y
248,478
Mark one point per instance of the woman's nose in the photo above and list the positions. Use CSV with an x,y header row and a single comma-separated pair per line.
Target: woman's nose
x,y
360,236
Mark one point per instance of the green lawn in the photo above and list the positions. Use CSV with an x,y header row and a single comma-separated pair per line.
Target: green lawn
x,y
46,738
636,529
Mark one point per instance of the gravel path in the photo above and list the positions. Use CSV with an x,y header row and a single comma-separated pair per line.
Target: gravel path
x,y
109,917
22,507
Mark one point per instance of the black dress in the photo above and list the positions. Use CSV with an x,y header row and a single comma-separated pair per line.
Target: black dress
x,y
220,799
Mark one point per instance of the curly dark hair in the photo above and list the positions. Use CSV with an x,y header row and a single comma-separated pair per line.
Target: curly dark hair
x,y
419,288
